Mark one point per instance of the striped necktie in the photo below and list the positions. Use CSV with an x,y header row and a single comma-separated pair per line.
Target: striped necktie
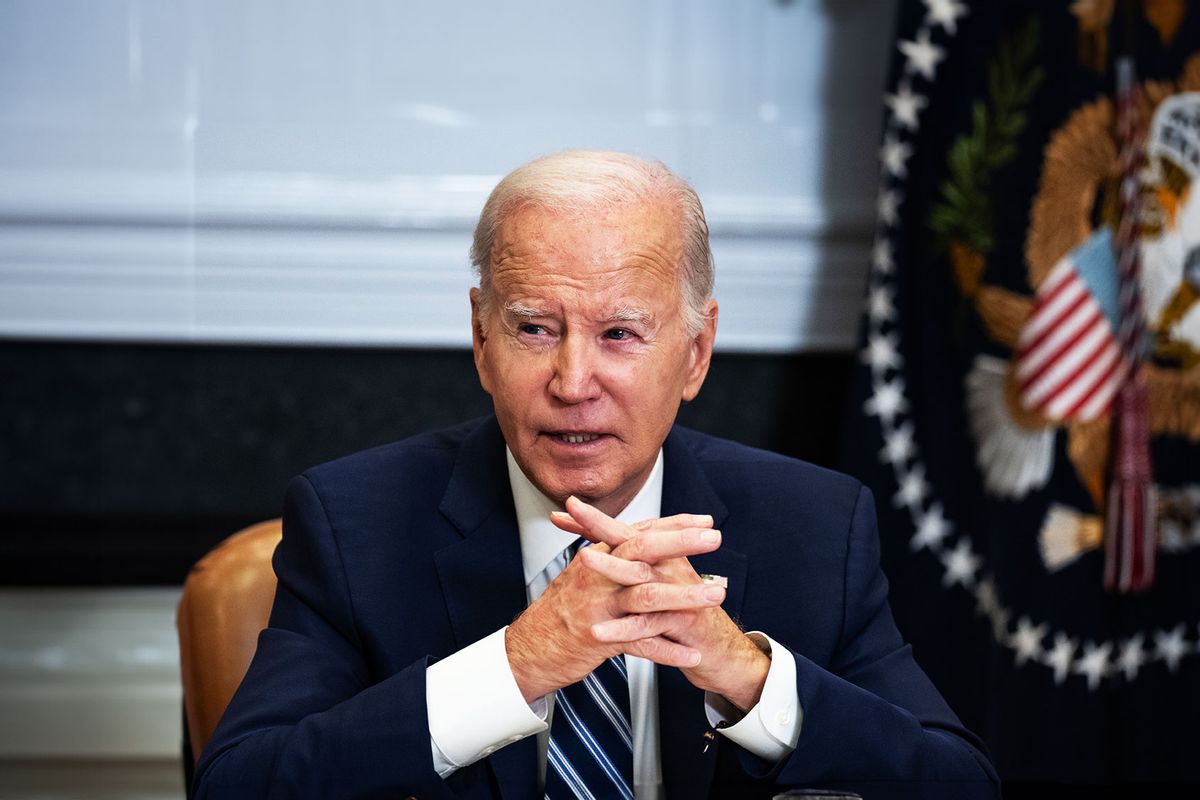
x,y
590,754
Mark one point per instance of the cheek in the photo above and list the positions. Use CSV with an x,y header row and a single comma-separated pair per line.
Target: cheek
x,y
651,395
519,377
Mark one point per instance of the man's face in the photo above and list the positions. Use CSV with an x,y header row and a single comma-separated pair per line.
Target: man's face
x,y
586,353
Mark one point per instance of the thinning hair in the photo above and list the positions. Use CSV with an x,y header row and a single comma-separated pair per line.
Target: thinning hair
x,y
579,181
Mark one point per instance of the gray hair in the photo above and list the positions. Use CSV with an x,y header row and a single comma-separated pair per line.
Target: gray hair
x,y
576,181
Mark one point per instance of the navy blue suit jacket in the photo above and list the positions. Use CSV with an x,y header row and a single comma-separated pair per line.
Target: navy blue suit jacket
x,y
397,556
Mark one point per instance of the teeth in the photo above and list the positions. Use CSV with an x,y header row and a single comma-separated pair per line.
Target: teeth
x,y
578,438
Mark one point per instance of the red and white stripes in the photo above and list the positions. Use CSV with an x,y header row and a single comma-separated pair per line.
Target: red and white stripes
x,y
1068,363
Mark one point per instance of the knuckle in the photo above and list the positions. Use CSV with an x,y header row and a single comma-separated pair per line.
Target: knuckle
x,y
647,595
635,547
653,648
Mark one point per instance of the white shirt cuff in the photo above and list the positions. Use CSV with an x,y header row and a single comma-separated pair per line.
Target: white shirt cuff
x,y
475,707
771,728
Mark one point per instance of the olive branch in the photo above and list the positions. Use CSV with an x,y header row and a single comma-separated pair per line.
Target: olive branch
x,y
964,213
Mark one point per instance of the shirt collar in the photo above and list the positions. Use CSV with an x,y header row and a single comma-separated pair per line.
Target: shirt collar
x,y
541,542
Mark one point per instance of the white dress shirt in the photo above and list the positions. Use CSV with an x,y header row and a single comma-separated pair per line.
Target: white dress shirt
x,y
475,707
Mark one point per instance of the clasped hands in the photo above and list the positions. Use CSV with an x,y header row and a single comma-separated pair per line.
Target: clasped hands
x,y
634,591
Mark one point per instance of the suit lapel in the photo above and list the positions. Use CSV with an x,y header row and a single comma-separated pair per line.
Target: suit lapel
x,y
482,578
687,770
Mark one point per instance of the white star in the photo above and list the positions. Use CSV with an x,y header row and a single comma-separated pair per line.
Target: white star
x,y
881,255
881,352
1060,657
906,106
887,401
922,55
913,488
961,565
1170,646
944,13
1131,657
880,304
898,445
895,155
1094,663
932,528
1027,640
888,206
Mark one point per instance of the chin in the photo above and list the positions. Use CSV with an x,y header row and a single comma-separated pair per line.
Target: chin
x,y
588,489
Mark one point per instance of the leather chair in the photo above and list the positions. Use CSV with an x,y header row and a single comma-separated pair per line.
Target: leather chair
x,y
225,603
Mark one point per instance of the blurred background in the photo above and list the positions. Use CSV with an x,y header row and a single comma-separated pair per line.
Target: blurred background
x,y
233,240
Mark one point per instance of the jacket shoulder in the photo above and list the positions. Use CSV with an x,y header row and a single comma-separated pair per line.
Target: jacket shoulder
x,y
411,467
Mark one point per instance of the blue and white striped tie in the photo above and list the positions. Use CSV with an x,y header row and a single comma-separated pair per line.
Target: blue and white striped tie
x,y
590,755
591,743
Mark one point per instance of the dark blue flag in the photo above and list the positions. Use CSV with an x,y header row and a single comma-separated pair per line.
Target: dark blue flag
x,y
986,408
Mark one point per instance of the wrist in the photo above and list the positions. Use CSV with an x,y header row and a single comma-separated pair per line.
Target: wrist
x,y
524,667
751,676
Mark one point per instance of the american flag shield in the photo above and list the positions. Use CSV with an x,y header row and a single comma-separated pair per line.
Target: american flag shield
x,y
1069,365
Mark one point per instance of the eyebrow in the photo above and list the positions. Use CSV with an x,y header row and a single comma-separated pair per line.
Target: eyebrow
x,y
629,314
518,309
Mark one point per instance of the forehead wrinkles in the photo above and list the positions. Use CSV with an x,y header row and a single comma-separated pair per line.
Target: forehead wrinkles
x,y
612,248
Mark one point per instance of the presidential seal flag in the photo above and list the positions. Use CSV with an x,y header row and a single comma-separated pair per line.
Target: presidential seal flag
x,y
1027,403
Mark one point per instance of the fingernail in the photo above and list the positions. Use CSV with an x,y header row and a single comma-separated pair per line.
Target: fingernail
x,y
714,593
598,630
695,659
560,514
710,537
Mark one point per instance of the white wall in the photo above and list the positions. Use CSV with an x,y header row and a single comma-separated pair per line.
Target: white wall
x,y
90,696
309,172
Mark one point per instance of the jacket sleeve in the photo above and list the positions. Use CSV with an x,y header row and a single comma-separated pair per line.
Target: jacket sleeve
x,y
307,720
873,721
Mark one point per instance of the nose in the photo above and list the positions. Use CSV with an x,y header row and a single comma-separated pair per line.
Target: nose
x,y
574,379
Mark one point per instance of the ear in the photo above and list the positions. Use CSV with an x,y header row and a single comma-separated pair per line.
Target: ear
x,y
701,352
479,343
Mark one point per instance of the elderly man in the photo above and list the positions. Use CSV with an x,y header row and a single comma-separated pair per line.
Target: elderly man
x,y
433,636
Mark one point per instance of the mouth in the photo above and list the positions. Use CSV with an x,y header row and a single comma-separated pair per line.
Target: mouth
x,y
573,437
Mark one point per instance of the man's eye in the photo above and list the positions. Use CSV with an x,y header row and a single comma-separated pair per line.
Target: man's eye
x,y
531,329
618,334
